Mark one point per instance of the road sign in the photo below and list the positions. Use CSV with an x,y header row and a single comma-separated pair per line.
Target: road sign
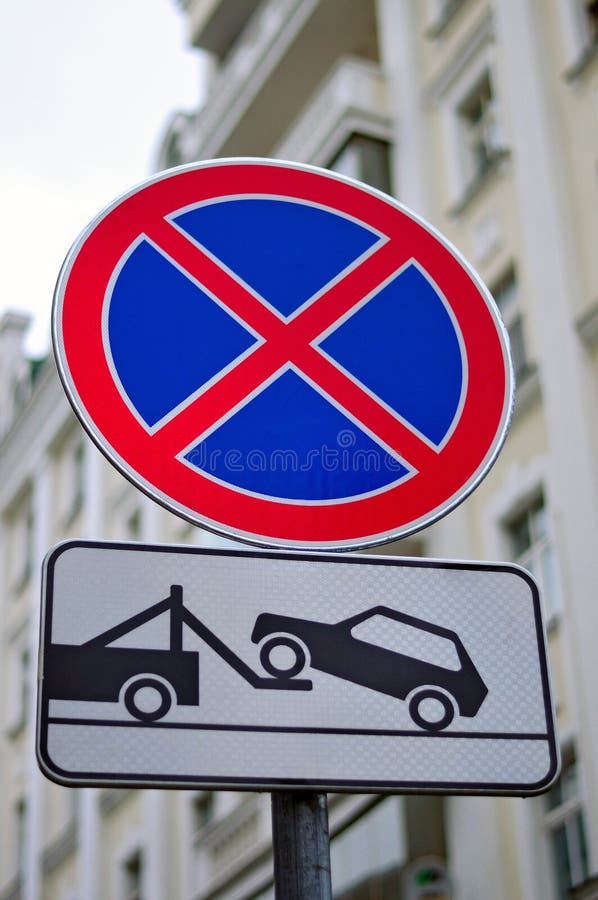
x,y
283,355
174,666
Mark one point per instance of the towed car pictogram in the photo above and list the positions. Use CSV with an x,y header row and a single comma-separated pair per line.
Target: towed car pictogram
x,y
437,676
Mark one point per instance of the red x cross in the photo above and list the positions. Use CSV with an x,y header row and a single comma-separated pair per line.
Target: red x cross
x,y
284,342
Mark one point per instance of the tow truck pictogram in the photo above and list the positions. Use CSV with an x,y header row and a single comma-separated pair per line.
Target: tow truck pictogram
x,y
148,681
94,671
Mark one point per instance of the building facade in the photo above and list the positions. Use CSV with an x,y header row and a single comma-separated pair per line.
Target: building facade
x,y
480,115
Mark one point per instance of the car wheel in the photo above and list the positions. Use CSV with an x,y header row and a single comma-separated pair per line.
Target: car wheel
x,y
141,701
428,715
282,657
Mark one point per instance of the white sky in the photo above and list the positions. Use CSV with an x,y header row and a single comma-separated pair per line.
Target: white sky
x,y
86,91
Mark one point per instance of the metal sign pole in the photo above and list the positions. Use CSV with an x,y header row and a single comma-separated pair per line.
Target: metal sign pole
x,y
301,846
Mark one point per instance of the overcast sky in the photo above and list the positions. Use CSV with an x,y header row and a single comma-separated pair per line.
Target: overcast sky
x,y
87,89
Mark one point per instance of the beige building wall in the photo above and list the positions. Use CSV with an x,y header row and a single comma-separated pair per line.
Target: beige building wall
x,y
481,115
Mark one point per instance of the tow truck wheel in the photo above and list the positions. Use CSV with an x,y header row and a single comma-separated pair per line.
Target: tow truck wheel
x,y
141,703
282,657
425,714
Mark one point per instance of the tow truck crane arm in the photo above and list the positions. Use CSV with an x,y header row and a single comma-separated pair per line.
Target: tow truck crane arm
x,y
179,616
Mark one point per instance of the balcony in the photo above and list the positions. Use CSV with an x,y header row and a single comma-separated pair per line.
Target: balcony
x,y
354,98
235,848
283,53
215,25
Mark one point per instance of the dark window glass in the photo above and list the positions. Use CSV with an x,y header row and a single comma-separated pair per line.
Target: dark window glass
x,y
365,158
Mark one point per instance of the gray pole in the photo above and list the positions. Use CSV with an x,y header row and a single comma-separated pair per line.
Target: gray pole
x,y
301,846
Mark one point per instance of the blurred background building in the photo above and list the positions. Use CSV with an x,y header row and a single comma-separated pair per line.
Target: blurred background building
x,y
481,115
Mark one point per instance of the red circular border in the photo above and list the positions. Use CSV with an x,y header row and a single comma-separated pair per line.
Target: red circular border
x,y
399,510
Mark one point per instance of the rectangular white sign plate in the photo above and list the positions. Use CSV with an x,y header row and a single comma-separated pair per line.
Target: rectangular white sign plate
x,y
174,667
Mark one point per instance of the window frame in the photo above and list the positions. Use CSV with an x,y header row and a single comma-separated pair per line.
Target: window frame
x,y
567,814
513,317
21,542
203,813
521,485
481,138
453,92
71,479
532,557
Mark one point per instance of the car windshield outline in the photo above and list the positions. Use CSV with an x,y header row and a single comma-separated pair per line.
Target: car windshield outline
x,y
443,644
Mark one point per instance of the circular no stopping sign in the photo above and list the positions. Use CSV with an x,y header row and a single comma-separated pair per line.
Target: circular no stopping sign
x,y
282,355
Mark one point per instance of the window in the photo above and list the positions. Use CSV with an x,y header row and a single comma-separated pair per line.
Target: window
x,y
365,159
24,667
481,139
579,29
590,11
532,547
133,526
565,827
506,296
21,390
20,834
72,482
203,810
74,800
18,687
133,875
21,545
